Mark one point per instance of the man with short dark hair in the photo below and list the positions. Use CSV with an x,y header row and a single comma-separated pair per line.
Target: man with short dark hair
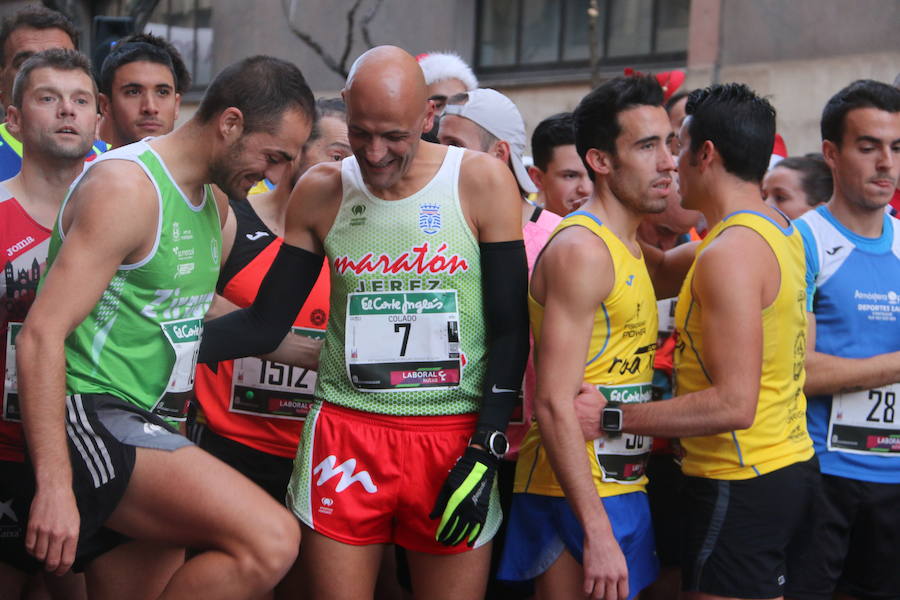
x,y
853,366
107,356
580,521
55,136
561,179
328,141
751,478
141,84
22,34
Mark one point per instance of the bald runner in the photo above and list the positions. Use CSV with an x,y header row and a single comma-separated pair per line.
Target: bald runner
x,y
425,346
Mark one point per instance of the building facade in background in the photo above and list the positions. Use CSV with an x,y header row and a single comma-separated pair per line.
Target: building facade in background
x,y
538,52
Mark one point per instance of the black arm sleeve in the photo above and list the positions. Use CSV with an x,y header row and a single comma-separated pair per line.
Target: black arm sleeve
x,y
259,328
504,273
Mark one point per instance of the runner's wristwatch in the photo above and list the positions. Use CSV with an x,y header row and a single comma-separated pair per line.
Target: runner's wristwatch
x,y
493,441
611,420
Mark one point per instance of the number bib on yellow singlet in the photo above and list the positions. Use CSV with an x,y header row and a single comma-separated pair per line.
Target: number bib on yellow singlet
x,y
399,341
866,422
270,389
624,459
11,411
184,337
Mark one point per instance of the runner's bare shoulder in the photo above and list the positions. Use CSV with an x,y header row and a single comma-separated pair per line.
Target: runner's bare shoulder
x,y
315,201
114,185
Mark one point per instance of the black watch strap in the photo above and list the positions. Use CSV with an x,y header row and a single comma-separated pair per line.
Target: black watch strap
x,y
492,440
611,420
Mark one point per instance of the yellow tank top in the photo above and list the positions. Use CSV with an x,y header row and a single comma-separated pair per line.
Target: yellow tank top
x,y
619,362
778,437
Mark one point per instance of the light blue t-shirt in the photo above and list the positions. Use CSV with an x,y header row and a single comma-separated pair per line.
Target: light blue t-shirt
x,y
853,287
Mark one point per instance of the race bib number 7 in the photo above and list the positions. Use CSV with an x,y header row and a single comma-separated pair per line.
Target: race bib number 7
x,y
866,422
402,341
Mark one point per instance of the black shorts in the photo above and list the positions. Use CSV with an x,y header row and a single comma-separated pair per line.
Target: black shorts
x,y
737,534
854,543
103,432
664,493
16,493
270,472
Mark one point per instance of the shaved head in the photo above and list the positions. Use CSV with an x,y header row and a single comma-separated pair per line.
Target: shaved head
x,y
387,112
391,73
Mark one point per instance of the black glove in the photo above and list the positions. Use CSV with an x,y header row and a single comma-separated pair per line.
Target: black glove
x,y
462,505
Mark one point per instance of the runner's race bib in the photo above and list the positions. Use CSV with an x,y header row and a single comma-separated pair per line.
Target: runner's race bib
x,y
866,422
401,341
184,337
270,389
666,313
11,410
624,459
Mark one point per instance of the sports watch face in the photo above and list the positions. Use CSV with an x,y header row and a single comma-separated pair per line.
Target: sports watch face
x,y
612,419
499,443
494,442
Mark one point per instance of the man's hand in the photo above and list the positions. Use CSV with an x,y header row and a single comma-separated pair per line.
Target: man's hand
x,y
589,405
53,526
462,504
605,570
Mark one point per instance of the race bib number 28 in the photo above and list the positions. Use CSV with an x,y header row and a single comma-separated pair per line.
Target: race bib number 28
x,y
402,341
866,422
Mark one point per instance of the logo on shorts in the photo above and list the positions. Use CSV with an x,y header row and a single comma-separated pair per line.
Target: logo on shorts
x,y
7,511
329,468
153,429
430,218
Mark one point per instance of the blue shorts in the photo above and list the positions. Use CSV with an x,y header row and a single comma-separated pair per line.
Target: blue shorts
x,y
541,527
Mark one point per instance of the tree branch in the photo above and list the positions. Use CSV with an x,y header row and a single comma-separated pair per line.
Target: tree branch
x,y
367,20
348,45
329,60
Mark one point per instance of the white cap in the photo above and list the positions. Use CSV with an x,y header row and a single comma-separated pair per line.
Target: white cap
x,y
497,115
438,66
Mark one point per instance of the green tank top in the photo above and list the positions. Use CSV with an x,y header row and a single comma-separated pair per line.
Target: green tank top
x,y
406,332
140,342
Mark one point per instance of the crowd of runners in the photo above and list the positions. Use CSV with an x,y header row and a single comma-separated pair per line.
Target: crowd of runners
x,y
363,347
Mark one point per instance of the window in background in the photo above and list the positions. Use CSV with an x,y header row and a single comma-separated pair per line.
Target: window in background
x,y
517,36
187,24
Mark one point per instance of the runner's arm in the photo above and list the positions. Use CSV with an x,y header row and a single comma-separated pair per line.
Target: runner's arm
x,y
110,220
577,275
497,222
729,282
668,268
259,328
828,374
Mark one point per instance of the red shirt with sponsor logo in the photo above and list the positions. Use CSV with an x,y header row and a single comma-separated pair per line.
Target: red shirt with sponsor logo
x,y
255,402
24,243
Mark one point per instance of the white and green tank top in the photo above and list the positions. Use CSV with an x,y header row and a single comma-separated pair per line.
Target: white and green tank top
x,y
406,332
140,342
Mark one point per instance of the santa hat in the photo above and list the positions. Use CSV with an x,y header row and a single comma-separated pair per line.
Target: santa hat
x,y
779,151
669,81
438,66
